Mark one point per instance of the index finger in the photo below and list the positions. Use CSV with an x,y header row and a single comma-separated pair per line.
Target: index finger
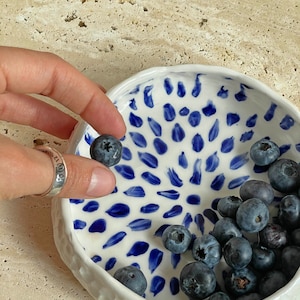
x,y
27,72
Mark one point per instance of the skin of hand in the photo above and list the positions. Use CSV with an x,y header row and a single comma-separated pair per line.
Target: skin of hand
x,y
25,171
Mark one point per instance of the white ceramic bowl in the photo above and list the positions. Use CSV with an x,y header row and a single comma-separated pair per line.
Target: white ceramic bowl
x,y
189,131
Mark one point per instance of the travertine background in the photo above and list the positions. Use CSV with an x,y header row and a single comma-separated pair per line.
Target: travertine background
x,y
109,40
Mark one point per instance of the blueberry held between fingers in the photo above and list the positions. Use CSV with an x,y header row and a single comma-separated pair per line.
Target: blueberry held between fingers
x,y
264,152
106,149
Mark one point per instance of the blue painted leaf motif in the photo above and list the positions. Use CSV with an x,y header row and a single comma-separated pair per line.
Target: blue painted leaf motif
x,y
151,178
148,100
237,182
260,169
76,201
157,285
209,109
182,160
214,203
132,104
135,191
88,138
222,93
227,145
96,258
91,206
198,86
138,248
287,122
149,208
284,148
194,118
174,178
232,118
135,90
135,120
160,230
79,224
238,161
270,112
214,131
118,210
168,86
196,177
138,139
297,146
170,194
187,220
184,111
212,162
155,259
115,239
178,133
175,211
155,127
211,215
247,136
169,112
174,286
193,199
148,159
140,224
160,146
181,89
98,226
126,153
218,182
251,122
199,220
175,259
241,96
125,170
197,143
110,263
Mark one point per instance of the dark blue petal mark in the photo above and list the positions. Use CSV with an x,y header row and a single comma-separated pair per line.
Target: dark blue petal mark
x,y
98,226
157,285
196,177
138,139
148,100
149,208
287,122
169,112
175,259
175,211
260,169
76,201
168,86
79,224
126,153
209,109
88,138
284,148
251,122
136,265
232,118
140,224
135,120
212,162
125,170
238,161
187,220
148,159
214,203
174,178
152,179
138,248
135,191
218,182
194,118
161,230
247,136
178,133
160,146
182,160
91,206
155,259
118,210
222,93
211,215
181,89
96,258
297,146
214,131
227,145
270,112
174,286
135,90
193,199
197,88
241,96
132,104
170,194
115,239
237,182
184,111
110,263
199,220
155,127
197,143
115,190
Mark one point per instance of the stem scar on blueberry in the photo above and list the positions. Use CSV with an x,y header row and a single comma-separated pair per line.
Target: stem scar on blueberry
x,y
264,146
242,282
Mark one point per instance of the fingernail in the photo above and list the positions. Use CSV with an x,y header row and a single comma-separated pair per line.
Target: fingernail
x,y
101,183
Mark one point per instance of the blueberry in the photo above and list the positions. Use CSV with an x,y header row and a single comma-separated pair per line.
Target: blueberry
x,y
219,296
273,236
251,296
237,252
176,238
106,149
207,249
257,189
263,259
271,282
227,206
295,237
133,278
197,280
264,152
252,215
225,229
284,175
290,258
289,212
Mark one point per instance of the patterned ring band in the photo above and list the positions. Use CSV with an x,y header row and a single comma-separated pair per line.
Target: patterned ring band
x,y
60,171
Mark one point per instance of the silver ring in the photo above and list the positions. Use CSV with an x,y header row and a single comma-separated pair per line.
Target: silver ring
x,y
60,171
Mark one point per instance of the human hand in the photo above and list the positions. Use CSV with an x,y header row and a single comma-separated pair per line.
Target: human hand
x,y
26,171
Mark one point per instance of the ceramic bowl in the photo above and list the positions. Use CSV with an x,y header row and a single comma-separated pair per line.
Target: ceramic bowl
x,y
189,131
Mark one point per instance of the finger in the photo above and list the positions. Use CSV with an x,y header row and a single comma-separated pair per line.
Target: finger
x,y
25,71
26,110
